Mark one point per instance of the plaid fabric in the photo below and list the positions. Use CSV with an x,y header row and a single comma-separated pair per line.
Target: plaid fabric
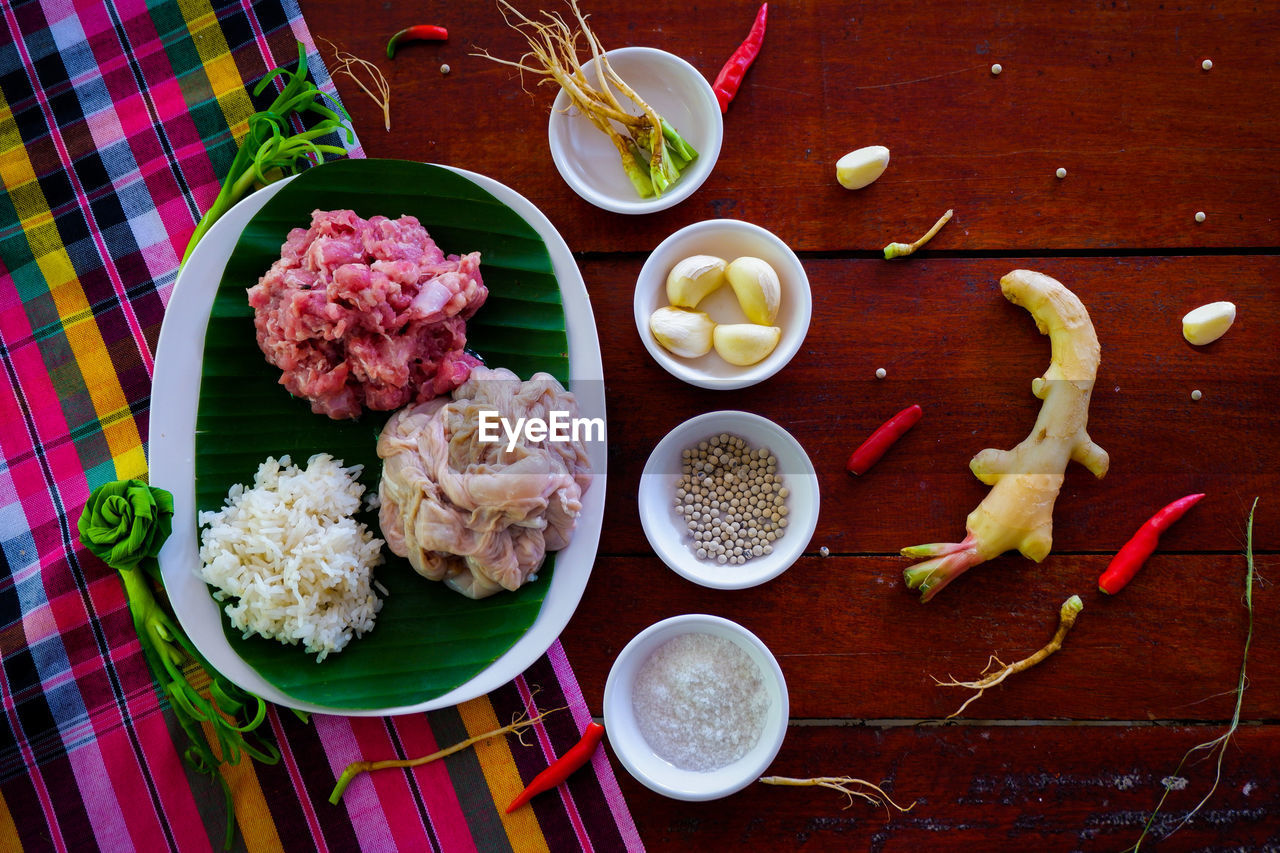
x,y
117,122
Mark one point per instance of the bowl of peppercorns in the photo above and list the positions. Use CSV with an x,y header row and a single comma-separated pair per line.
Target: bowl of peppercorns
x,y
728,500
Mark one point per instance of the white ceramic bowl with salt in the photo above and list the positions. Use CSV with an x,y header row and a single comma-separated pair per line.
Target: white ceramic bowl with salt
x,y
639,757
666,530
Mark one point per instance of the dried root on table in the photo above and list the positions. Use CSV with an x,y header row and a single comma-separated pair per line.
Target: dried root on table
x,y
901,250
520,724
991,677
353,66
847,785
1017,514
1215,749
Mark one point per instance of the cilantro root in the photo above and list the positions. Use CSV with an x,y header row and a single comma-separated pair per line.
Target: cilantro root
x,y
901,250
1219,744
517,727
846,785
1066,621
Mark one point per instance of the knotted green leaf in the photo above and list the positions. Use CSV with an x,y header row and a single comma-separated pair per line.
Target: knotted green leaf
x,y
126,522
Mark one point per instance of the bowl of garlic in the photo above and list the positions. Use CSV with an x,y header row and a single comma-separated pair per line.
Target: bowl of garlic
x,y
722,304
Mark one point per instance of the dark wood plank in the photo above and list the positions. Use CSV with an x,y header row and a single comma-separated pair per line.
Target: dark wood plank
x,y
1042,788
1115,94
953,344
853,642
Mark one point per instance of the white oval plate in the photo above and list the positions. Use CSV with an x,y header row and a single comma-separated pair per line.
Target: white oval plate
x,y
175,399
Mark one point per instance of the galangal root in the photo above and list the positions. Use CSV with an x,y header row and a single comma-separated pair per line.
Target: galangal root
x,y
1017,514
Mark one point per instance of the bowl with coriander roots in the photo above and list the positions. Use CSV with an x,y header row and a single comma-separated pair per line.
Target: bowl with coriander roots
x,y
729,500
615,168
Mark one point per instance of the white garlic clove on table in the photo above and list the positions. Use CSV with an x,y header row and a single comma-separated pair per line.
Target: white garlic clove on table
x,y
1206,324
857,169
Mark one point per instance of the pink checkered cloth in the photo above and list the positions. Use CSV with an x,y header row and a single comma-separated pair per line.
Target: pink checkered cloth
x,y
117,123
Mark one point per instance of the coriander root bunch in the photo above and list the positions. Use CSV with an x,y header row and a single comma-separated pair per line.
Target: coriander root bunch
x,y
653,154
1017,514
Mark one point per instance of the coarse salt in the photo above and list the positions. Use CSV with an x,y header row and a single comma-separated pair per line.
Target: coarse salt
x,y
700,702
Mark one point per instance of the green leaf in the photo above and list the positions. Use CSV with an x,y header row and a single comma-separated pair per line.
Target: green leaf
x,y
428,639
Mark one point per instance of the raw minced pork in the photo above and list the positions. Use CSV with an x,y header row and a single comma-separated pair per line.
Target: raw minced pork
x,y
366,313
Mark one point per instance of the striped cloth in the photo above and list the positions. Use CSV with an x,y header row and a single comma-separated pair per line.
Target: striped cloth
x,y
117,122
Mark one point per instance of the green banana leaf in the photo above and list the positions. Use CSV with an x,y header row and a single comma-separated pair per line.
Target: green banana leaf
x,y
428,639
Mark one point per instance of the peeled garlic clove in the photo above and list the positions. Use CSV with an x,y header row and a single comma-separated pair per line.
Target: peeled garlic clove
x,y
757,287
745,343
1206,324
682,332
693,278
858,168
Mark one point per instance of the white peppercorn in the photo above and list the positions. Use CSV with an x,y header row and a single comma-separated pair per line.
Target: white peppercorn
x,y
732,499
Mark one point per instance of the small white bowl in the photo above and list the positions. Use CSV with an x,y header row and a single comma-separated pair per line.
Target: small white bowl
x,y
634,751
666,529
728,239
590,164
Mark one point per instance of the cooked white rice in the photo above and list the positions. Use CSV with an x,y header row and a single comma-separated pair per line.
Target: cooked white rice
x,y
290,560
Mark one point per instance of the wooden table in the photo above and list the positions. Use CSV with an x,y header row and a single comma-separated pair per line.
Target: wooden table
x,y
1069,755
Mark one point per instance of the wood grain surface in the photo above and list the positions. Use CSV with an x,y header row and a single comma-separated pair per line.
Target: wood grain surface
x,y
1043,789
1115,94
1070,755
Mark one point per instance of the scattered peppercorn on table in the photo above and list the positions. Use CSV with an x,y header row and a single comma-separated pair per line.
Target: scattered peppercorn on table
x,y
1090,143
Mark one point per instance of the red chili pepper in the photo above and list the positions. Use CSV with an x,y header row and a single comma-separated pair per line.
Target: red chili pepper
x,y
422,32
870,451
563,767
730,76
1125,564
